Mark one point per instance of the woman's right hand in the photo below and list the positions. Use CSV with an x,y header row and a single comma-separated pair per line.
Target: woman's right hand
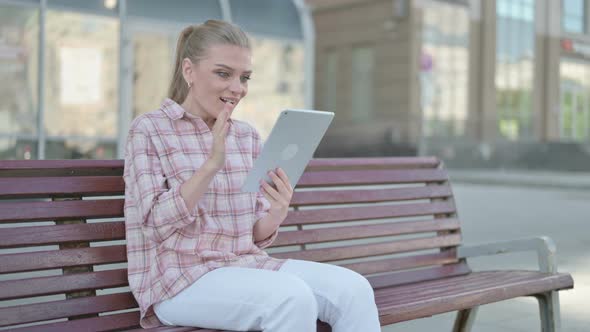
x,y
220,128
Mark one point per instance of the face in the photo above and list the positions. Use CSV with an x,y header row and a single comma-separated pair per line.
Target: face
x,y
219,79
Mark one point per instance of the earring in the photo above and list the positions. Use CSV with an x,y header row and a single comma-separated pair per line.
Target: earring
x,y
190,84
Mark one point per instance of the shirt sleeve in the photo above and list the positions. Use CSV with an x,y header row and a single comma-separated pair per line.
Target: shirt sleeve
x,y
162,209
262,204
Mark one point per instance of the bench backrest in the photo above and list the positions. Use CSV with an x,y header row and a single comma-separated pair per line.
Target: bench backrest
x,y
62,251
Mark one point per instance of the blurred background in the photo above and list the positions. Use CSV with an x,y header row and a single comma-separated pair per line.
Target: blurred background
x,y
481,84
498,89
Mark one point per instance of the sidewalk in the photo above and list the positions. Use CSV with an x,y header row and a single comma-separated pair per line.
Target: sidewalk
x,y
545,179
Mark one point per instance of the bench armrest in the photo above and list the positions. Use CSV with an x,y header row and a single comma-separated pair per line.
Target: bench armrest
x,y
544,246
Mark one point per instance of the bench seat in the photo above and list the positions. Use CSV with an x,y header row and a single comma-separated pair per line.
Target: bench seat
x,y
394,220
396,304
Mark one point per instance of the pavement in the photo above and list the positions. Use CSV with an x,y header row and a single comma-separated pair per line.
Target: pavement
x,y
507,205
545,179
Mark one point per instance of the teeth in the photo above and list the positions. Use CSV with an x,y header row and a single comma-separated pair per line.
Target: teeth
x,y
227,101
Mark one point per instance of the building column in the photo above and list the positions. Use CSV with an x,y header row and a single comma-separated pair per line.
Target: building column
x,y
546,101
482,120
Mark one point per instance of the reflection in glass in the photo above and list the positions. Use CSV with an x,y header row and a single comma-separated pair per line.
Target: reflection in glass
x,y
153,57
18,149
82,60
276,84
574,119
330,80
444,69
363,67
80,149
515,45
573,15
19,40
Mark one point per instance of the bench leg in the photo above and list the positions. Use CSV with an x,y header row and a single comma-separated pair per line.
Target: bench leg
x,y
549,309
465,319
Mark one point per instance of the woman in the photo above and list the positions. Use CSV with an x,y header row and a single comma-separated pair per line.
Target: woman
x,y
194,241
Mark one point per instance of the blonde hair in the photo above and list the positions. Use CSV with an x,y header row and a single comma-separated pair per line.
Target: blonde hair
x,y
193,43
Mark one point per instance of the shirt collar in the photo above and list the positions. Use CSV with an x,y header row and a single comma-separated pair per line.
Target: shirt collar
x,y
175,112
172,109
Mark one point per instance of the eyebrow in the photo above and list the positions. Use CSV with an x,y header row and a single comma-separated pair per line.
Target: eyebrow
x,y
230,68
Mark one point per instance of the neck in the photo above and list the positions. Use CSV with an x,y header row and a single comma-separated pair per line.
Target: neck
x,y
192,108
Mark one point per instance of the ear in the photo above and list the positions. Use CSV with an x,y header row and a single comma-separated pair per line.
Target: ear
x,y
187,70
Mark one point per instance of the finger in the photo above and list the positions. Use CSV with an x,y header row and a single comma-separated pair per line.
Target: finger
x,y
221,120
271,191
279,183
283,175
225,130
267,196
222,129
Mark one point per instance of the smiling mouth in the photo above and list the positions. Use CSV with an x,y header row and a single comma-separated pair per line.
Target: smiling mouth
x,y
233,102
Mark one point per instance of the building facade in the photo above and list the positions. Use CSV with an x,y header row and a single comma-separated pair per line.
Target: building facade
x,y
480,83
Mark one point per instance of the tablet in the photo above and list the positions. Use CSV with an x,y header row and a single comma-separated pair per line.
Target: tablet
x,y
290,146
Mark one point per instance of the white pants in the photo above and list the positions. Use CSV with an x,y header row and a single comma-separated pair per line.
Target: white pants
x,y
288,300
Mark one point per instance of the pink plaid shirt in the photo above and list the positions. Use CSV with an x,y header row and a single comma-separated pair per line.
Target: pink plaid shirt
x,y
170,245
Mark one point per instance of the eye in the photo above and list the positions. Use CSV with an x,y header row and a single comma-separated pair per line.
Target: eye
x,y
222,74
245,78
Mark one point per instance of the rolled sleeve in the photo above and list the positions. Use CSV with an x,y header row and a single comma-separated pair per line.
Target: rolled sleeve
x,y
162,209
262,206
268,241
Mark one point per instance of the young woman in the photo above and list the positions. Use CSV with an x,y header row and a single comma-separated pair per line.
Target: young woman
x,y
194,240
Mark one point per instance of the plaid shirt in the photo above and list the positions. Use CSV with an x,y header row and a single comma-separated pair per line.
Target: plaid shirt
x,y
170,245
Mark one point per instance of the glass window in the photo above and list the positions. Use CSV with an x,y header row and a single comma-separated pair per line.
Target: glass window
x,y
78,148
330,79
574,15
574,117
19,40
515,45
18,148
82,59
153,57
363,67
276,84
444,66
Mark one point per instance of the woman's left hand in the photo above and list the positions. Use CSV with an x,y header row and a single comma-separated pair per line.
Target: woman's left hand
x,y
280,195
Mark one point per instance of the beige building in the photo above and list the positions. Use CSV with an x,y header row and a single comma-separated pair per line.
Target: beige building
x,y
481,83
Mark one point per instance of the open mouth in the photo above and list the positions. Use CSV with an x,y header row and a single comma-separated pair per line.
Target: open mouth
x,y
225,100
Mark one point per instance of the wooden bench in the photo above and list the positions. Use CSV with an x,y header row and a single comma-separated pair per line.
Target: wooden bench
x,y
62,254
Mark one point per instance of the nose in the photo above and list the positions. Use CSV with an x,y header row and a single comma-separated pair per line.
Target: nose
x,y
236,86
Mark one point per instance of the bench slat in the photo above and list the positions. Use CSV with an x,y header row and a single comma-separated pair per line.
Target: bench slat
x,y
98,324
331,163
11,289
362,177
61,186
369,195
393,309
317,216
414,276
60,210
402,263
46,235
78,167
443,285
363,231
44,260
374,249
37,312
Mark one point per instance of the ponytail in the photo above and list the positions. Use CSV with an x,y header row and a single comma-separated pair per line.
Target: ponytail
x,y
178,89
